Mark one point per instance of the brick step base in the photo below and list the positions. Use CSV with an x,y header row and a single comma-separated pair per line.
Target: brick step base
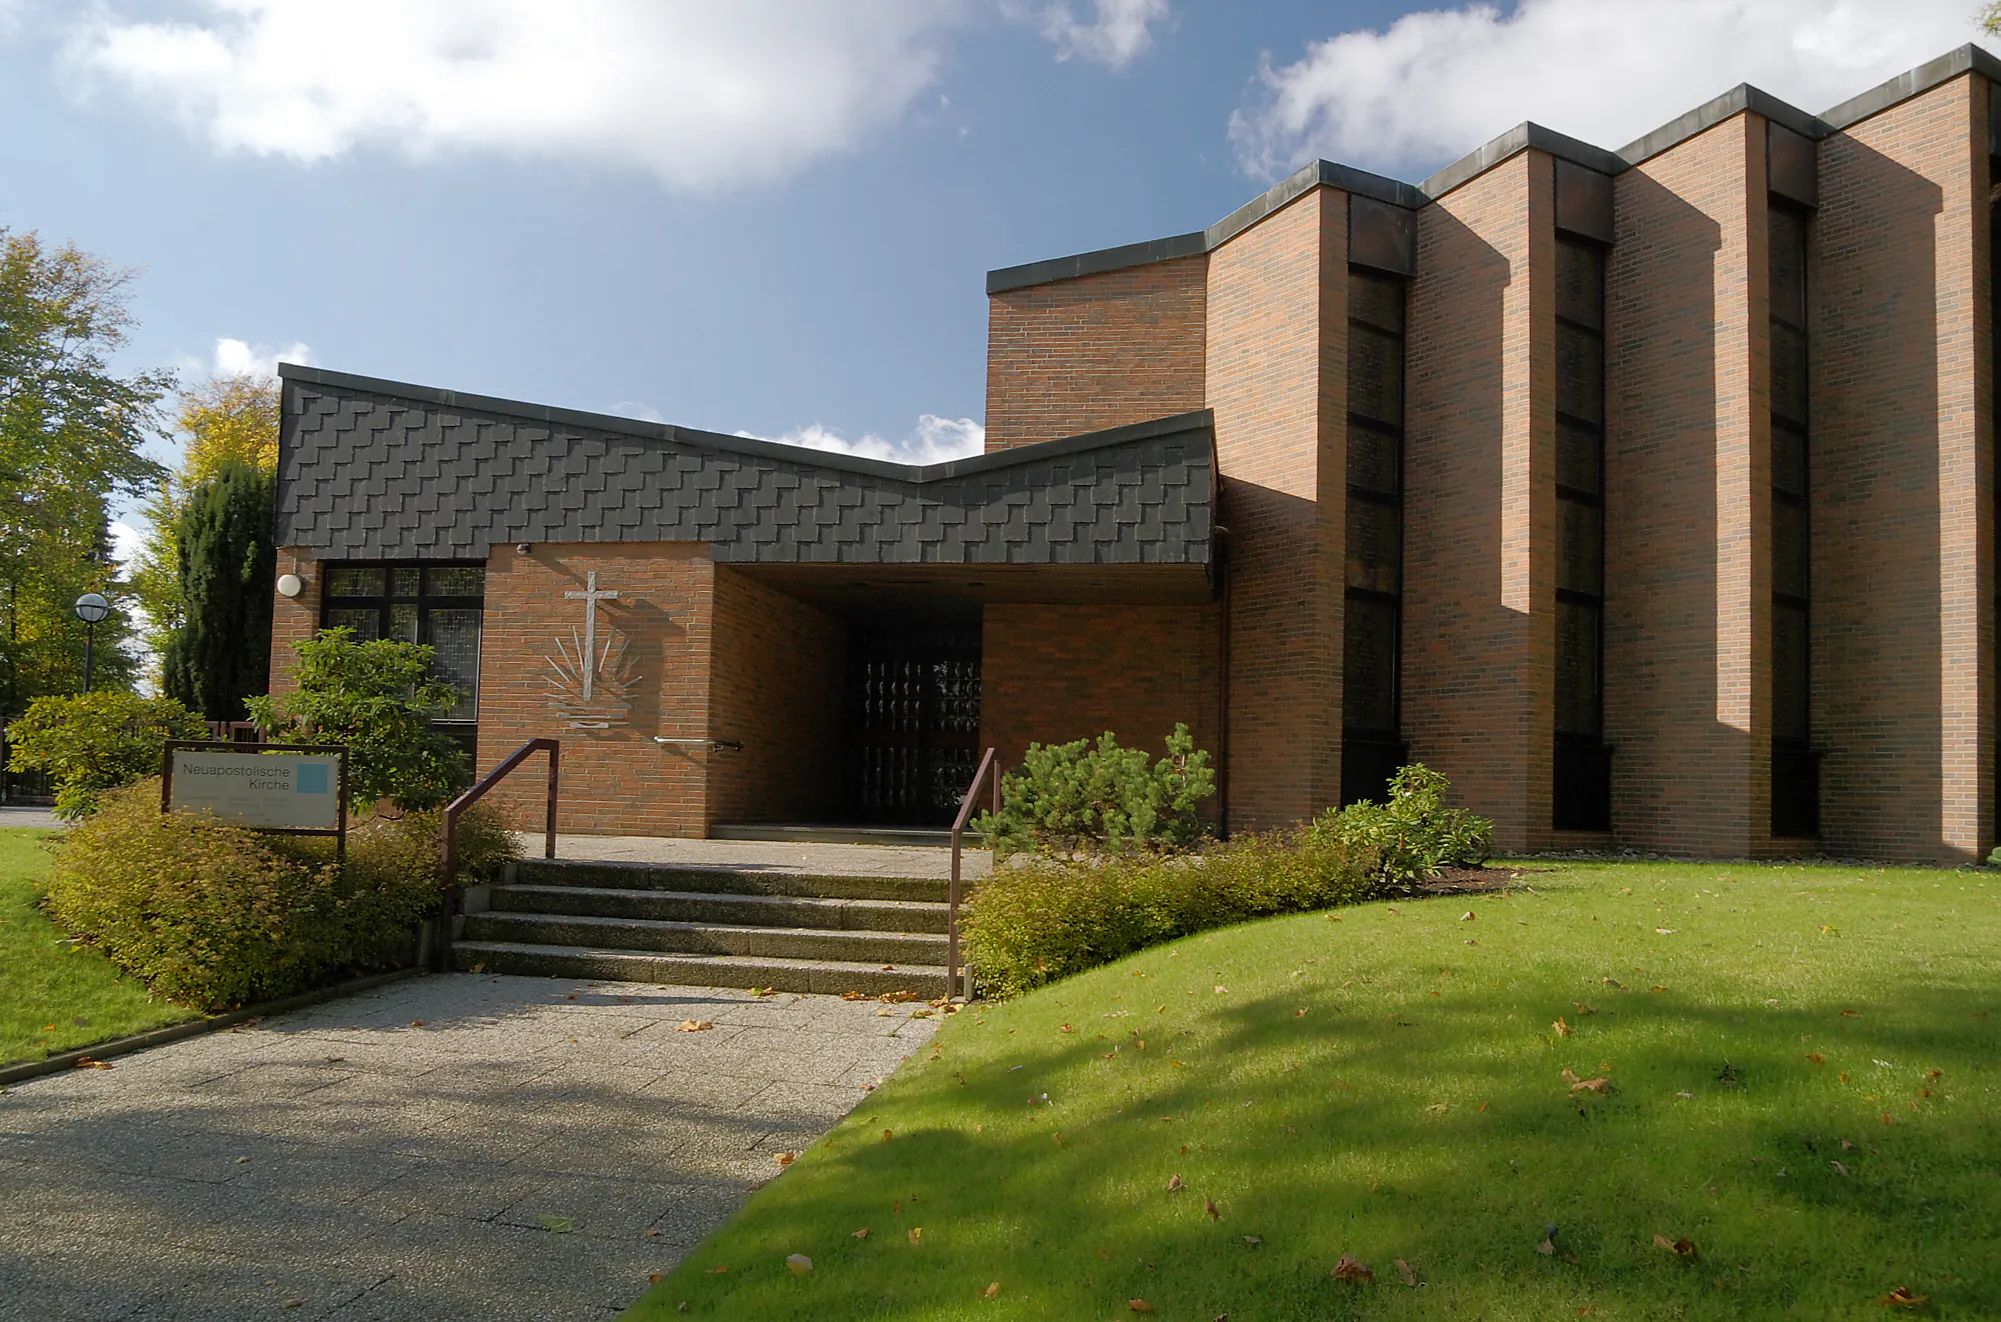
x,y
791,975
717,907
669,937
921,836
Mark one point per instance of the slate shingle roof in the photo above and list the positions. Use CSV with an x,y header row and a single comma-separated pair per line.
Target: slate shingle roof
x,y
379,470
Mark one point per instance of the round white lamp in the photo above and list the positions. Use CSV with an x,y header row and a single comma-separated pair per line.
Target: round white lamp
x,y
91,608
290,585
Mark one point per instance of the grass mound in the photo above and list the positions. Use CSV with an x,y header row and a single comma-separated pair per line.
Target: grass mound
x,y
55,994
1789,1071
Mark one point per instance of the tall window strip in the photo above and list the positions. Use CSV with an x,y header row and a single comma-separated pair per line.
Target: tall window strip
x,y
1371,744
1582,791
1795,771
443,605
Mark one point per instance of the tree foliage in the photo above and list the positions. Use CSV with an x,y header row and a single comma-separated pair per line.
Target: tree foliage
x,y
378,698
1414,834
223,551
97,741
1098,799
227,422
71,437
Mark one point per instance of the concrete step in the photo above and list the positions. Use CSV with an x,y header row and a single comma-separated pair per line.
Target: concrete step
x,y
603,875
929,837
535,929
712,907
826,977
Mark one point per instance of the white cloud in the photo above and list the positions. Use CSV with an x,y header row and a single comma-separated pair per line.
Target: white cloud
x,y
701,94
1437,84
241,358
934,441
1120,33
128,545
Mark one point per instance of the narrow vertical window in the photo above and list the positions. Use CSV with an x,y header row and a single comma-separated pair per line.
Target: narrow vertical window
x,y
1582,790
1371,744
1795,774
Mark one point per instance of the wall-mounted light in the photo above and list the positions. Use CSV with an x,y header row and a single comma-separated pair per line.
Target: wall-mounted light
x,y
290,585
523,548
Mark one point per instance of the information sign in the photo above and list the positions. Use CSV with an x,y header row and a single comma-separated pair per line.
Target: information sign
x,y
269,790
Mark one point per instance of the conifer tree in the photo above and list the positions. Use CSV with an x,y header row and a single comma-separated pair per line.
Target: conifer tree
x,y
227,562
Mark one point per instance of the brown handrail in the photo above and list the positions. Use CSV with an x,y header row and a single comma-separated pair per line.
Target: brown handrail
x,y
453,810
987,771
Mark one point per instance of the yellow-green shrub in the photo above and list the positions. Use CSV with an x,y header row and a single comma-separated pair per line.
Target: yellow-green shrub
x,y
214,915
1034,924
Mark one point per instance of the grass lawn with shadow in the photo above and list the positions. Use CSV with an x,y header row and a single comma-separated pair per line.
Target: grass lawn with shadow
x,y
56,995
1799,1073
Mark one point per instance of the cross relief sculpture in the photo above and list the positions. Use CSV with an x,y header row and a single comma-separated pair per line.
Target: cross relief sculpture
x,y
591,683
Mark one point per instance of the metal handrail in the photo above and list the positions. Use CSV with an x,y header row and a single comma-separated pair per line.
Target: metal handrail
x,y
987,771
457,807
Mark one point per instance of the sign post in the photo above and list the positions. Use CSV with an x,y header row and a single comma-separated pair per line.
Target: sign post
x,y
302,791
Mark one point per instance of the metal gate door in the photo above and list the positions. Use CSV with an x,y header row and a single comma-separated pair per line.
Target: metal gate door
x,y
913,719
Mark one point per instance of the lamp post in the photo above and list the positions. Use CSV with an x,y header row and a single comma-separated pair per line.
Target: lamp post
x,y
91,608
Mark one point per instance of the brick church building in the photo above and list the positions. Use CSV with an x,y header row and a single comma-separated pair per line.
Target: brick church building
x,y
1649,495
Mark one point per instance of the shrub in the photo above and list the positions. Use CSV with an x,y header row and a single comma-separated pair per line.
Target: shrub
x,y
1033,924
1414,834
378,699
97,741
1076,798
214,915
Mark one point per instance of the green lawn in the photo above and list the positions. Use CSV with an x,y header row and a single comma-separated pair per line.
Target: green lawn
x,y
1801,1068
55,996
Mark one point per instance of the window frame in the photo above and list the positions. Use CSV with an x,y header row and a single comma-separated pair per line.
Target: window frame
x,y
425,602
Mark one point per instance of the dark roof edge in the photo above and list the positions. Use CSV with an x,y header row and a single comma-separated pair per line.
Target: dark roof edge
x,y
1913,82
774,450
1516,140
1708,115
1093,263
1315,175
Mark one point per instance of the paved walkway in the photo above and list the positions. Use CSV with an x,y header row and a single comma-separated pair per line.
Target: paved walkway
x,y
770,855
14,816
453,1148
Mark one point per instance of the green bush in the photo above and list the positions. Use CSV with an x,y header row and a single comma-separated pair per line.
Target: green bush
x,y
378,699
1075,798
214,915
1414,834
94,742
1033,924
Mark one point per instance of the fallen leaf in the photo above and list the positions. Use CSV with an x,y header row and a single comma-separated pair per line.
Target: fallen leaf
x,y
561,1225
88,1063
1599,1085
1209,1206
786,1158
1657,987
1901,1297
1300,1013
1068,1029
1548,1246
1466,917
1613,983
479,967
1222,990
1851,1014
1252,1240
799,1263
856,996
1439,1108
885,1138
1139,1305
1846,1146
293,1303
1582,1008
717,1271
693,1026
1889,1119
1174,1185
1409,1276
653,1234
991,1292
916,1234
764,991
1681,1248
1348,1269
859,1234
419,1023
1839,1169
1816,1058
1664,931
1562,1029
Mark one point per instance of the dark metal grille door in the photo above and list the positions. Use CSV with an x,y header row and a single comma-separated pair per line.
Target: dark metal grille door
x,y
913,720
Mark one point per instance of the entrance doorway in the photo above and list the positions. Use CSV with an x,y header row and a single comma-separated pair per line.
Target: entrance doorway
x,y
913,718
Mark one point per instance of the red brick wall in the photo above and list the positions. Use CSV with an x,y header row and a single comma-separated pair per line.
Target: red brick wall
x,y
615,780
1052,674
1277,373
1688,498
776,682
293,619
1903,578
1094,352
1480,498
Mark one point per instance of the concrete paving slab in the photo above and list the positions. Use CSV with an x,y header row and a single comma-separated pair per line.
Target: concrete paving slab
x,y
217,1177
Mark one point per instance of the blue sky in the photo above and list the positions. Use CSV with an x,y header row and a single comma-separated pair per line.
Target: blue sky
x,y
773,215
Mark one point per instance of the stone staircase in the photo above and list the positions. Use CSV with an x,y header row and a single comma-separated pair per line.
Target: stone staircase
x,y
708,927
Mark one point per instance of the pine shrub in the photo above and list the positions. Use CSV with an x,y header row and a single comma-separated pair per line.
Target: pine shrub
x,y
1414,834
1080,798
